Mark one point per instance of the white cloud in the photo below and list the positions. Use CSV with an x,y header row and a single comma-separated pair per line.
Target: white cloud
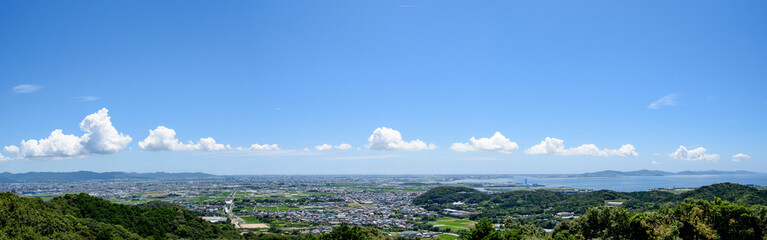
x,y
57,144
26,88
698,154
209,144
100,137
655,163
4,158
325,147
668,100
87,98
740,156
384,138
264,147
164,139
496,143
12,149
553,146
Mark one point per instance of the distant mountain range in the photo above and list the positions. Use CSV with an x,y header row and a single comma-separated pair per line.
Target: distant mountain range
x,y
7,177
34,177
611,173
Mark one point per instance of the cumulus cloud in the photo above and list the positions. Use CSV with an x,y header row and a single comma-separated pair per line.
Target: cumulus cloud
x,y
264,147
12,149
57,144
164,139
384,138
740,156
655,163
100,137
4,158
26,88
496,143
209,144
325,147
553,146
698,154
668,100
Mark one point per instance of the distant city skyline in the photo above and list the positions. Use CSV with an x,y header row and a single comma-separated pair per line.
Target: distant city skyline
x,y
408,87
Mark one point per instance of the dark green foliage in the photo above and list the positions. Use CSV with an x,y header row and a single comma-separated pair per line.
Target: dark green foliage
x,y
731,192
482,231
79,216
31,218
440,195
693,219
345,232
512,230
539,201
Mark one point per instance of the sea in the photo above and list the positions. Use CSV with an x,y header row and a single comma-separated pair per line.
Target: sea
x,y
629,183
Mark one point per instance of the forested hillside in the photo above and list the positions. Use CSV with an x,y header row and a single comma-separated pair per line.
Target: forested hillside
x,y
691,219
539,201
82,216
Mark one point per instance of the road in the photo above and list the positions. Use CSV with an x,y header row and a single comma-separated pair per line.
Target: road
x,y
229,210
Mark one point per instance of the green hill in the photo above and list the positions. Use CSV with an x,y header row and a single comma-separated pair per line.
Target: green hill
x,y
448,194
732,192
539,201
80,216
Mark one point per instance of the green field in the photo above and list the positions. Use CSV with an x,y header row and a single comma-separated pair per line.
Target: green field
x,y
454,224
277,209
446,237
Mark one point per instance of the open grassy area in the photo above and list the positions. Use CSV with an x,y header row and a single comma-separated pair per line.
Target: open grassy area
x,y
277,208
454,224
677,190
446,237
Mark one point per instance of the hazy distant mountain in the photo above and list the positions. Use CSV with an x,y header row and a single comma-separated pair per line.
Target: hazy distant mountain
x,y
612,173
7,177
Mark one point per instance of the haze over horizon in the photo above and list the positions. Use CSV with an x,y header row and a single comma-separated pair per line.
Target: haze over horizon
x,y
384,87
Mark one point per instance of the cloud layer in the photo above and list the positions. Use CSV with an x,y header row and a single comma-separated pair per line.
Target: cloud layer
x,y
384,138
698,154
263,147
100,137
496,143
668,100
325,147
553,146
26,88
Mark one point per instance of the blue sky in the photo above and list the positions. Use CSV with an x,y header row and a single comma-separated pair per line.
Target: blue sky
x,y
307,73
